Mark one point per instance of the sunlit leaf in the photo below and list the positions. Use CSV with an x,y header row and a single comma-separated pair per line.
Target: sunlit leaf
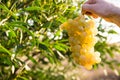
x,y
3,49
32,59
32,8
112,32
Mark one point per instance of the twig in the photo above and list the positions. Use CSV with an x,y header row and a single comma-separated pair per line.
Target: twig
x,y
3,21
25,4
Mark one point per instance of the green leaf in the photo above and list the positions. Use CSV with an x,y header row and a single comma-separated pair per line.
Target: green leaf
x,y
18,23
32,59
5,60
48,52
110,52
22,78
12,33
32,8
22,26
58,33
61,47
43,46
62,19
3,49
5,8
112,32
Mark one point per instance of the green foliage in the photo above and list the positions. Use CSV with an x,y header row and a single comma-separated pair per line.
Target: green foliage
x,y
107,50
30,39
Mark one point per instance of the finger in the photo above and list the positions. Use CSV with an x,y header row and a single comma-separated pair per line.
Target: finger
x,y
90,2
87,13
94,16
87,8
90,14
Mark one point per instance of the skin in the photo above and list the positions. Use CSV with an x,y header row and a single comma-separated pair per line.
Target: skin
x,y
103,9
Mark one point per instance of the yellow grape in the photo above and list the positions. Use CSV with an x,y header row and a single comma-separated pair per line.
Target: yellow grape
x,y
82,39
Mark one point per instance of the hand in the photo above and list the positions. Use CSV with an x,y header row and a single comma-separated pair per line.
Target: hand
x,y
103,9
96,8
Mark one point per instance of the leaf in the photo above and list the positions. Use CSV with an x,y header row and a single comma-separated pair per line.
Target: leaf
x,y
110,52
32,8
112,32
22,26
47,24
58,33
43,46
62,19
49,57
50,54
61,47
3,49
63,41
32,59
18,23
12,33
5,60
5,8
22,78
101,36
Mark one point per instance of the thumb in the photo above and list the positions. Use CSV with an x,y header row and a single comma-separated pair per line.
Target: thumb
x,y
90,2
87,8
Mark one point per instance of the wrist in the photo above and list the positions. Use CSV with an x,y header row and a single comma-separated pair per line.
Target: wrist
x,y
113,15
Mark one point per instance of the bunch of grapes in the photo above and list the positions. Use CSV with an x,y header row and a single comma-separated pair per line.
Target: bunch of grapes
x,y
82,39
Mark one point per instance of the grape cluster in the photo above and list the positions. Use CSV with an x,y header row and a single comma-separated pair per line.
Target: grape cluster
x,y
82,39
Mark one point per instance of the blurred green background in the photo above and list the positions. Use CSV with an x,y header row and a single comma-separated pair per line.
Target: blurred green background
x,y
32,47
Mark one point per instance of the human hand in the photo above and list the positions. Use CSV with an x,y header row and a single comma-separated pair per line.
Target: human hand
x,y
101,8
